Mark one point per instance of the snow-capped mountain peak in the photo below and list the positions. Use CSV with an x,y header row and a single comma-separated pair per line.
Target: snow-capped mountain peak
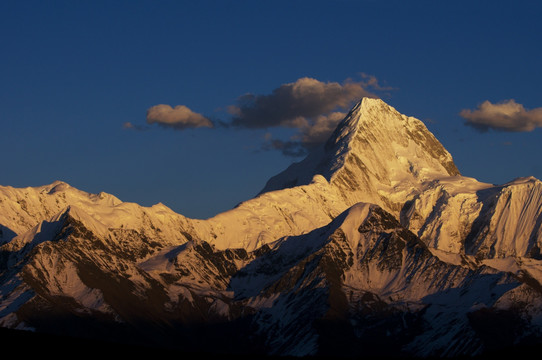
x,y
376,154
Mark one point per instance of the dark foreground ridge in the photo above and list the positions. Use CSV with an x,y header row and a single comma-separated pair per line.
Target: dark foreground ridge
x,y
29,343
61,346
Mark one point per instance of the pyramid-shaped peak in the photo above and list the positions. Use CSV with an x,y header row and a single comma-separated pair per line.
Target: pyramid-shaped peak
x,y
367,110
389,145
372,116
375,149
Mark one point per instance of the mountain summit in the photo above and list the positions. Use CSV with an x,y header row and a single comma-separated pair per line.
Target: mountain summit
x,y
376,154
374,244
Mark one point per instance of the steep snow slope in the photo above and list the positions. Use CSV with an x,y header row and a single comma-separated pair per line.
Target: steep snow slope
x,y
461,215
511,222
443,214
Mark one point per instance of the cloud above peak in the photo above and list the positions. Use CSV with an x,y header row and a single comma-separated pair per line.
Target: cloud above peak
x,y
504,116
180,117
311,107
296,104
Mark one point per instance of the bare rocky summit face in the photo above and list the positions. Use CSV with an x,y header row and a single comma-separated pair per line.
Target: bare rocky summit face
x,y
374,244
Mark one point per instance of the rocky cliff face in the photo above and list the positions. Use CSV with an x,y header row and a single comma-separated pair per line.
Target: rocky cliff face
x,y
374,244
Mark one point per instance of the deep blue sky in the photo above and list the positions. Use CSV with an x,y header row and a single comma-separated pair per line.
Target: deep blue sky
x,y
73,72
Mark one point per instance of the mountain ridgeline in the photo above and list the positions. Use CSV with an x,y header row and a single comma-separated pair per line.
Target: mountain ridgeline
x,y
374,244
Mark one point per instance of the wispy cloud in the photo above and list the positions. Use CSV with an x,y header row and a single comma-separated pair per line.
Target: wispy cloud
x,y
131,126
370,81
504,116
180,117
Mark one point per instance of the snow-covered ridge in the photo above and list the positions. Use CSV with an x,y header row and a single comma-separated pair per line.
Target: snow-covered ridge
x,y
462,215
23,209
376,155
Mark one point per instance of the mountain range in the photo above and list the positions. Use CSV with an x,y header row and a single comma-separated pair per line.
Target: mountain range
x,y
373,245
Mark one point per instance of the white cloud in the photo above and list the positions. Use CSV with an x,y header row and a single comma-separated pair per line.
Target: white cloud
x,y
505,116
